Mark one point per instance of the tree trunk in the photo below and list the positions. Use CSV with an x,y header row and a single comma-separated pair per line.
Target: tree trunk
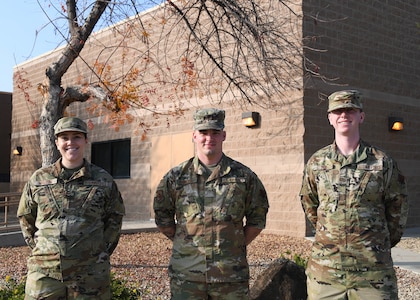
x,y
49,116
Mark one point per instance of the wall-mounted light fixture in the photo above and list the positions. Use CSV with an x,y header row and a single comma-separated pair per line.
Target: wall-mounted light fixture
x,y
251,119
18,150
395,124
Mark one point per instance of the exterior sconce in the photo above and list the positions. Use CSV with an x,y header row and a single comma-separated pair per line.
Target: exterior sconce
x,y
18,150
251,119
395,124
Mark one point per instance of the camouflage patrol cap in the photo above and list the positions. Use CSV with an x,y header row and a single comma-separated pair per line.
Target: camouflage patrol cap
x,y
209,118
345,99
70,124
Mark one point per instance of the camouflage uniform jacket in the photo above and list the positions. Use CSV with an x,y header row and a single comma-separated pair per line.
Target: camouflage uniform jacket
x,y
72,225
209,244
358,206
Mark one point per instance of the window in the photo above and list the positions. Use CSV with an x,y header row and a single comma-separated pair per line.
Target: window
x,y
113,156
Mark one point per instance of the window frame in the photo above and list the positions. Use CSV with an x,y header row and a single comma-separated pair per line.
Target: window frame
x,y
104,154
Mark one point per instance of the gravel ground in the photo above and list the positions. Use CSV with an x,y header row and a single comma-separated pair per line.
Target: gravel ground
x,y
141,259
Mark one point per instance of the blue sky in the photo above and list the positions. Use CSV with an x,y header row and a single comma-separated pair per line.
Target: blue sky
x,y
27,33
19,22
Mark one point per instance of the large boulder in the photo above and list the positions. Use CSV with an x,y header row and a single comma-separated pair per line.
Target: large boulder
x,y
283,280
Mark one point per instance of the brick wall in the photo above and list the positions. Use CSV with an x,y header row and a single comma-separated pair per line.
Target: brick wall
x,y
372,46
288,134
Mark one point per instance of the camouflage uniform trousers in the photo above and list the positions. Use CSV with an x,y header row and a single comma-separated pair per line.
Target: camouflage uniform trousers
x,y
190,290
40,286
337,284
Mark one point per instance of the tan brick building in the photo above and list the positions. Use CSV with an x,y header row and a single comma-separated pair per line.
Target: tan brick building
x,y
370,46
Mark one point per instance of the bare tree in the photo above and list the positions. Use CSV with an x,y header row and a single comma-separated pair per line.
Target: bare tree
x,y
247,51
58,99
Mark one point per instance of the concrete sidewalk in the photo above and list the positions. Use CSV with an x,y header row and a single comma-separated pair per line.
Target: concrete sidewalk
x,y
406,259
141,226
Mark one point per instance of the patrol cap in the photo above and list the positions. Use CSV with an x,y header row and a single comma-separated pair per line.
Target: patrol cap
x,y
345,99
70,124
209,118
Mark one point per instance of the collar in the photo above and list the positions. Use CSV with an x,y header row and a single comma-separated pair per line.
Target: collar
x,y
223,166
84,171
360,154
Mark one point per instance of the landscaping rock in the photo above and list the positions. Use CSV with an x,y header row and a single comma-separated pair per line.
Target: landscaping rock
x,y
283,280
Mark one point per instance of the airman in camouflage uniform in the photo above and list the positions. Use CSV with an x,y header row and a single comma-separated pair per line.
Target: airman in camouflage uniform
x,y
70,214
356,199
201,205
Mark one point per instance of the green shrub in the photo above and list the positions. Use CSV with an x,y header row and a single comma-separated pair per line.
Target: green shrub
x,y
297,258
11,289
120,290
300,261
